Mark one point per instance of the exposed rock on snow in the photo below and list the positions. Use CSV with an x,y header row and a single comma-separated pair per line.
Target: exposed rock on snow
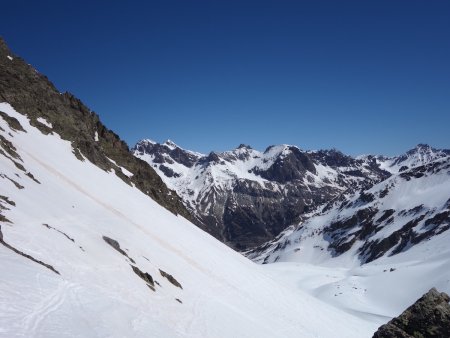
x,y
27,256
117,247
145,276
170,278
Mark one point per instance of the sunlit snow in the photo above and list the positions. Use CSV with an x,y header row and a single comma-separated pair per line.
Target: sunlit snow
x,y
97,294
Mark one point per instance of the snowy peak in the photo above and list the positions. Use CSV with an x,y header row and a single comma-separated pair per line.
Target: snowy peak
x,y
245,196
288,163
166,153
243,146
419,155
169,143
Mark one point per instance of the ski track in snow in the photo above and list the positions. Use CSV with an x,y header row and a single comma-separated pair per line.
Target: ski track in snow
x,y
45,308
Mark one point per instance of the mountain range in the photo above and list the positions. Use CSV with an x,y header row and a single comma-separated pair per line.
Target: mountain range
x,y
245,197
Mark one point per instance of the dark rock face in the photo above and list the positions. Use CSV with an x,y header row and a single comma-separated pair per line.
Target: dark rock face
x,y
427,317
253,214
289,168
32,94
336,233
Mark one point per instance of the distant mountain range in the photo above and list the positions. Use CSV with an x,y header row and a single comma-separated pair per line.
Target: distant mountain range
x,y
408,208
245,197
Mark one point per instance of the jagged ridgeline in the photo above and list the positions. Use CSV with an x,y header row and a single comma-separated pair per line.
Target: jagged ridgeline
x,y
33,95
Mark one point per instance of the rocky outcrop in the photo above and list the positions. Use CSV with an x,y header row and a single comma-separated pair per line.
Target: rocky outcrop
x,y
32,94
170,278
427,317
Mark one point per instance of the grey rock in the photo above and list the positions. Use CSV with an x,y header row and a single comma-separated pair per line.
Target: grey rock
x,y
427,317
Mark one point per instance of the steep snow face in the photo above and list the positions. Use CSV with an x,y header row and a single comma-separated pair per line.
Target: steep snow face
x,y
246,197
85,254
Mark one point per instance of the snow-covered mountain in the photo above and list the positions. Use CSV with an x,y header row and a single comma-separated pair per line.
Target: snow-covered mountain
x,y
419,155
407,209
372,249
94,244
87,251
85,254
246,197
383,245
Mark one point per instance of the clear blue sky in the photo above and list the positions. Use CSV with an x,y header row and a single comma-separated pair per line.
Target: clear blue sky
x,y
360,76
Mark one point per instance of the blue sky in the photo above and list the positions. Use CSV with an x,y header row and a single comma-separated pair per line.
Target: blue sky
x,y
359,76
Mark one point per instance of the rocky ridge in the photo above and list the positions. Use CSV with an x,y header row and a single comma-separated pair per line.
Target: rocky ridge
x,y
33,95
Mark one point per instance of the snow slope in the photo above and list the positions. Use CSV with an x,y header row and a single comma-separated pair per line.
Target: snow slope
x,y
56,209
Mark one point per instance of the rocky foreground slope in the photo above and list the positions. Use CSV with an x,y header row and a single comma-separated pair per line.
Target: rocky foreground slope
x,y
33,95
